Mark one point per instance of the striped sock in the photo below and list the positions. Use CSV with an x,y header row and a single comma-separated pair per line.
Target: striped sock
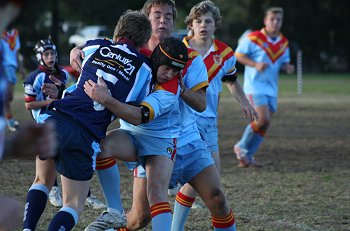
x,y
182,208
161,216
108,175
224,224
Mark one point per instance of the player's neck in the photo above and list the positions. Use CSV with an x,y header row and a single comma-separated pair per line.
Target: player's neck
x,y
272,34
152,43
200,45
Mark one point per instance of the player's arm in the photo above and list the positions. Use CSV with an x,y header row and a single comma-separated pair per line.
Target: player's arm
x,y
75,58
237,92
195,99
55,90
288,68
193,89
245,60
32,105
99,92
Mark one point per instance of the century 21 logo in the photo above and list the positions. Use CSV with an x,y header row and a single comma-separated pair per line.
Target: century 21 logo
x,y
121,61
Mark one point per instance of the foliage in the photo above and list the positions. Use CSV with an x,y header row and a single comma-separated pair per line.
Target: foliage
x,y
318,27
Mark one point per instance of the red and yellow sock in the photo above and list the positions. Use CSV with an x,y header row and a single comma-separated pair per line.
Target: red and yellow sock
x,y
184,200
104,163
224,222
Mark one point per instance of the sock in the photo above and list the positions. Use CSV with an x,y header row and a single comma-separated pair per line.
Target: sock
x,y
182,208
224,224
108,174
65,220
35,205
161,216
251,139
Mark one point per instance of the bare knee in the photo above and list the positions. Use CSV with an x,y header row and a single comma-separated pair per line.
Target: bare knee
x,y
217,202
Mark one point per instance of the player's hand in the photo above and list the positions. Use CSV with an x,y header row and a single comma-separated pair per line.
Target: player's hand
x,y
99,91
50,89
260,67
289,68
182,85
249,111
75,58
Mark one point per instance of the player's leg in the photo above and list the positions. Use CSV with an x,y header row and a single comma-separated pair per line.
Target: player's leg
x,y
207,184
55,195
117,144
74,195
253,134
38,193
159,170
139,215
10,72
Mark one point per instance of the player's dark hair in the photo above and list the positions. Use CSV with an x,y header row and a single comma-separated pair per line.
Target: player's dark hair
x,y
170,52
146,9
135,26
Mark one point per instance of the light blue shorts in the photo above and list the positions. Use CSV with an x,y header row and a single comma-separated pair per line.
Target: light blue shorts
x,y
10,73
260,100
191,159
209,132
153,146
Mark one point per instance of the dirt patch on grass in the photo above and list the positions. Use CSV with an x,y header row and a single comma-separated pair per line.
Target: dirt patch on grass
x,y
304,184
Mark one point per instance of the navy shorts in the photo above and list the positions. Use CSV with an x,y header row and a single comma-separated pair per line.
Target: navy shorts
x,y
77,148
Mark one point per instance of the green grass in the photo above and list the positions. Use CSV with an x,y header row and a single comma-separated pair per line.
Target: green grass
x,y
313,84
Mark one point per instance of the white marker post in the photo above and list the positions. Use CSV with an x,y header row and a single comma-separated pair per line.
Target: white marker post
x,y
299,72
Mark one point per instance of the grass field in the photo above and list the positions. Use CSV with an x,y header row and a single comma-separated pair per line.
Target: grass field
x,y
304,184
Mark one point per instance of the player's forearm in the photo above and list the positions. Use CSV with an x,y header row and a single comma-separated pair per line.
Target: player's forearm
x,y
195,99
236,90
37,104
129,113
245,60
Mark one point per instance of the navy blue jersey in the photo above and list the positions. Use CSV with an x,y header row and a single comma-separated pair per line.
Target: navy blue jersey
x,y
33,83
126,72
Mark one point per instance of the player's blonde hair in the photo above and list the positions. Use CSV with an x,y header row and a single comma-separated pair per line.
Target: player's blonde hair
x,y
274,10
135,26
203,8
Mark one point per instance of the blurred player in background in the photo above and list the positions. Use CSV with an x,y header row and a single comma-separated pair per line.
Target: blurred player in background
x,y
10,42
264,53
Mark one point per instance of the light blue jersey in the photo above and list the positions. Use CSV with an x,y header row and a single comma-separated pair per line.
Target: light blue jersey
x,y
195,77
163,105
260,48
10,45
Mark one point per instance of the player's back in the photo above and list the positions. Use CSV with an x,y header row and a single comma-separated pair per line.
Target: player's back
x,y
126,73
